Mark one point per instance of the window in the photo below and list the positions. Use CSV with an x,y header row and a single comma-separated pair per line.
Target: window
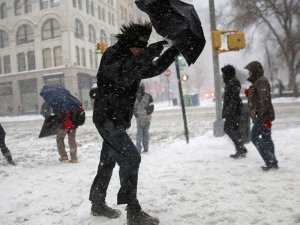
x,y
31,60
83,56
4,40
99,12
51,29
55,3
91,59
47,58
28,6
92,9
78,29
0,66
18,7
21,62
92,34
80,4
44,4
109,18
102,36
3,11
87,6
103,14
74,3
6,63
113,19
25,35
77,56
58,57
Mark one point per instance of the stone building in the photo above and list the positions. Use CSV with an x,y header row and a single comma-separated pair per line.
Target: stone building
x,y
53,42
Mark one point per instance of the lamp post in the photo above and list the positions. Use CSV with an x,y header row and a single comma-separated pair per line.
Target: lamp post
x,y
218,128
186,130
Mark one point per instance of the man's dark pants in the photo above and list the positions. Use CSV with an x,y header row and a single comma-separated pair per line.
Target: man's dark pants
x,y
117,148
261,138
231,128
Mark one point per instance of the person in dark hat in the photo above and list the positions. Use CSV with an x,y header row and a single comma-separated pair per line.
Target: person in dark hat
x,y
5,151
232,110
122,67
262,114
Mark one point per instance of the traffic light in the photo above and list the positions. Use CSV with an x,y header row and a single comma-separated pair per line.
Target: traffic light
x,y
101,47
216,39
236,41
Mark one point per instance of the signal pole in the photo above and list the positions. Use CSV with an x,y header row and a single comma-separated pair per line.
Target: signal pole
x,y
218,128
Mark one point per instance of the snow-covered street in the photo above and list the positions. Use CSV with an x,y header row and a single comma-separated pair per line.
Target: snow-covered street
x,y
181,184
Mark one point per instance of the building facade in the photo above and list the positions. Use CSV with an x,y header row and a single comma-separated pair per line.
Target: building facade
x,y
52,42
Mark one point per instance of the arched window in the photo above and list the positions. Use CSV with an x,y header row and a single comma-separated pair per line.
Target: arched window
x,y
87,4
51,29
28,6
4,40
102,36
78,29
92,34
74,3
99,12
6,64
25,35
83,57
3,11
18,7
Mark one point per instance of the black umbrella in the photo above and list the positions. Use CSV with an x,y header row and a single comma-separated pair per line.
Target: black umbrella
x,y
179,22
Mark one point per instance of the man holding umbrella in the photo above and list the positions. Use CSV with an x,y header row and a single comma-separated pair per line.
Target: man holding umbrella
x,y
122,67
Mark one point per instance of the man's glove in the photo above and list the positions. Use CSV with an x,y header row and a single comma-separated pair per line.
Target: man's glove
x,y
268,124
246,92
156,48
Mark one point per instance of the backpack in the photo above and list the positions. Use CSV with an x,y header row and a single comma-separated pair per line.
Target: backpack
x,y
78,117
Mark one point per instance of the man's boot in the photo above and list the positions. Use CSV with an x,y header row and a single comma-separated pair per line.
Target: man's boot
x,y
101,209
10,160
136,216
240,153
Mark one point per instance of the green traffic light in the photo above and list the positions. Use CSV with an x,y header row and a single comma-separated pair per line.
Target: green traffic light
x,y
98,51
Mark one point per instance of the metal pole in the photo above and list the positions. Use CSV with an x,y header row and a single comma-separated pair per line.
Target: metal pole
x,y
186,131
168,90
218,124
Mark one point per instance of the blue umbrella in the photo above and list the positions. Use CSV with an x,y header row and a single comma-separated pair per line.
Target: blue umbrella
x,y
59,99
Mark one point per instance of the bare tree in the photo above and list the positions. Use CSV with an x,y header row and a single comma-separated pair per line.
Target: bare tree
x,y
281,18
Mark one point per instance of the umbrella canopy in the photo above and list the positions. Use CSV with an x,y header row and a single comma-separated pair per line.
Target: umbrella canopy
x,y
179,22
59,99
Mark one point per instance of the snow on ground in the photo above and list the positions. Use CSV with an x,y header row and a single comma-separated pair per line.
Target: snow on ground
x,y
181,184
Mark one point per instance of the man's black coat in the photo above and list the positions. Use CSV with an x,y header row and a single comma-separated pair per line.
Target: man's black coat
x,y
118,79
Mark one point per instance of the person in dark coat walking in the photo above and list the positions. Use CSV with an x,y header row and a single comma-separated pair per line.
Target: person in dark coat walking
x,y
232,110
122,67
262,114
143,108
5,151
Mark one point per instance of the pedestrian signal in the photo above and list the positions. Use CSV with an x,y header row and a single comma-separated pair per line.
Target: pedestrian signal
x,y
98,49
236,41
216,39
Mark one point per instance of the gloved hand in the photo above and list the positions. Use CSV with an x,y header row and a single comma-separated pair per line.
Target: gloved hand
x,y
268,124
246,92
156,48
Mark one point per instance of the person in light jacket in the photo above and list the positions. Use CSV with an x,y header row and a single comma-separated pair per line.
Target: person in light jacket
x,y
143,108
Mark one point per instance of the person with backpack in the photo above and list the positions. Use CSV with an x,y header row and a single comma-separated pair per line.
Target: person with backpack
x,y
143,108
71,121
5,151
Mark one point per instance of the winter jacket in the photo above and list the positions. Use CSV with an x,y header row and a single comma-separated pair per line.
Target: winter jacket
x,y
232,102
143,108
259,97
118,79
